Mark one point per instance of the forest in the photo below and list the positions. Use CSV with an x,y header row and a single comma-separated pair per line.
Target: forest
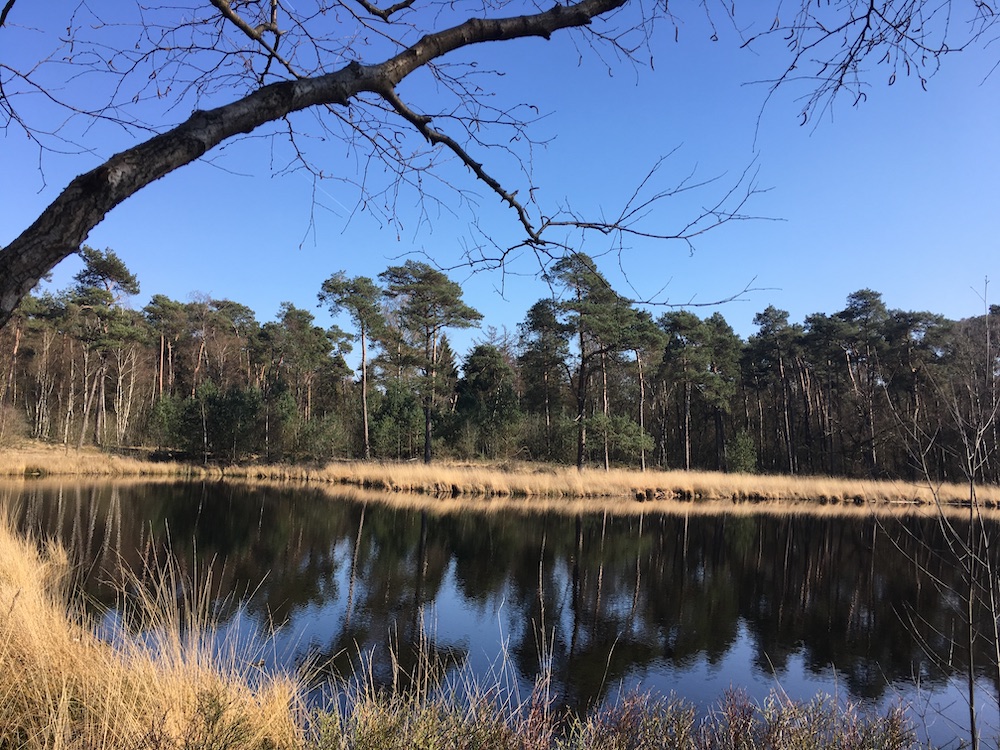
x,y
588,378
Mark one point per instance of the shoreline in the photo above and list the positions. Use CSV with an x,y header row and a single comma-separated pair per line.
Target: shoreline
x,y
522,484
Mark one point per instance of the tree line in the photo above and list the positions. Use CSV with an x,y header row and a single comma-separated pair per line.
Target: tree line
x,y
589,377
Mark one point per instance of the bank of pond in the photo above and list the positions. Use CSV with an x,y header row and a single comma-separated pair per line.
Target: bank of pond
x,y
354,619
537,482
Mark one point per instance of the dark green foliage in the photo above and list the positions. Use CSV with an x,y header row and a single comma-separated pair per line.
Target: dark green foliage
x,y
221,426
429,302
396,423
544,344
360,298
166,422
232,419
487,403
105,270
742,453
623,434
603,324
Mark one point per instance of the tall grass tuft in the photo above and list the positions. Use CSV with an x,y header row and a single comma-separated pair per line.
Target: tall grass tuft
x,y
61,686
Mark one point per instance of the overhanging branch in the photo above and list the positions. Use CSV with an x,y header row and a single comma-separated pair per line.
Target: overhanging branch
x,y
65,224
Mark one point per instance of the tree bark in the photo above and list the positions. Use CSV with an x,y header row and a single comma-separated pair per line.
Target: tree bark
x,y
364,393
686,426
642,412
581,406
606,409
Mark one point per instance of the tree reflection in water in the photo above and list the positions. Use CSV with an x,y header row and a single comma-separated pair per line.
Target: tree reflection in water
x,y
656,601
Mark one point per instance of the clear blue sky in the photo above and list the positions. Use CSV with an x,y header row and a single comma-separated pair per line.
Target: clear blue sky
x,y
900,194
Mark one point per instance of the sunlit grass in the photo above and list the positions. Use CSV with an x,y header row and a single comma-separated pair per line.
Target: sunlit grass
x,y
35,459
63,687
510,480
445,709
545,481
636,722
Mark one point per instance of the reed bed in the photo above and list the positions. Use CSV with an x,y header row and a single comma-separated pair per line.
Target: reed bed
x,y
63,687
40,459
532,481
495,505
442,708
636,722
510,480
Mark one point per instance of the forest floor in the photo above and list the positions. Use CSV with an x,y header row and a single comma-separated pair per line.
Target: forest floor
x,y
500,484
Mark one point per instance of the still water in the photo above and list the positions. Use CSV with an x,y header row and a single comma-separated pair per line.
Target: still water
x,y
683,603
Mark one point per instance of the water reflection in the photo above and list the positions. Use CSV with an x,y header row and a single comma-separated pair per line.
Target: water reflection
x,y
669,602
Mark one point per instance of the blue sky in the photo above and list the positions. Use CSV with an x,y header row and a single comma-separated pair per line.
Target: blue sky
x,y
899,194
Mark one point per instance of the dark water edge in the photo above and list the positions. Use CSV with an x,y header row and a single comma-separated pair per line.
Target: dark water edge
x,y
857,607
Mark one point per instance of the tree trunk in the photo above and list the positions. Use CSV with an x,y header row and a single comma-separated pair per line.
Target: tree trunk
x,y
88,399
364,395
427,434
607,411
686,426
786,417
548,416
8,384
101,422
430,351
642,413
70,397
720,441
162,346
581,410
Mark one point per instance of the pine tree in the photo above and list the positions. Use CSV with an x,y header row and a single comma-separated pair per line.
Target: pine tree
x,y
429,303
359,297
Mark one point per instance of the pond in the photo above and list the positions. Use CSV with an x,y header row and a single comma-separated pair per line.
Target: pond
x,y
681,602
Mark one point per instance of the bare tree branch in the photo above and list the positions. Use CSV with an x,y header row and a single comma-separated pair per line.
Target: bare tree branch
x,y
385,13
422,124
190,61
6,11
256,33
64,225
830,45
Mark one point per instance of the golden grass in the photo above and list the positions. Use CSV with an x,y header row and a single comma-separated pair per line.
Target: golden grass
x,y
532,481
510,480
63,687
503,504
43,459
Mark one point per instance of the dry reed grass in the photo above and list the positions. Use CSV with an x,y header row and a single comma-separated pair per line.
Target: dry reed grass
x,y
511,480
532,481
35,459
63,687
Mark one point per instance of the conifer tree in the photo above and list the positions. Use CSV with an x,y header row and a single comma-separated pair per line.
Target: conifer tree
x,y
359,297
430,302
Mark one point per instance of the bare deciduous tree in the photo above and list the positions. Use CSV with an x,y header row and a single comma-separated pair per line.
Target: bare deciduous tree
x,y
254,66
